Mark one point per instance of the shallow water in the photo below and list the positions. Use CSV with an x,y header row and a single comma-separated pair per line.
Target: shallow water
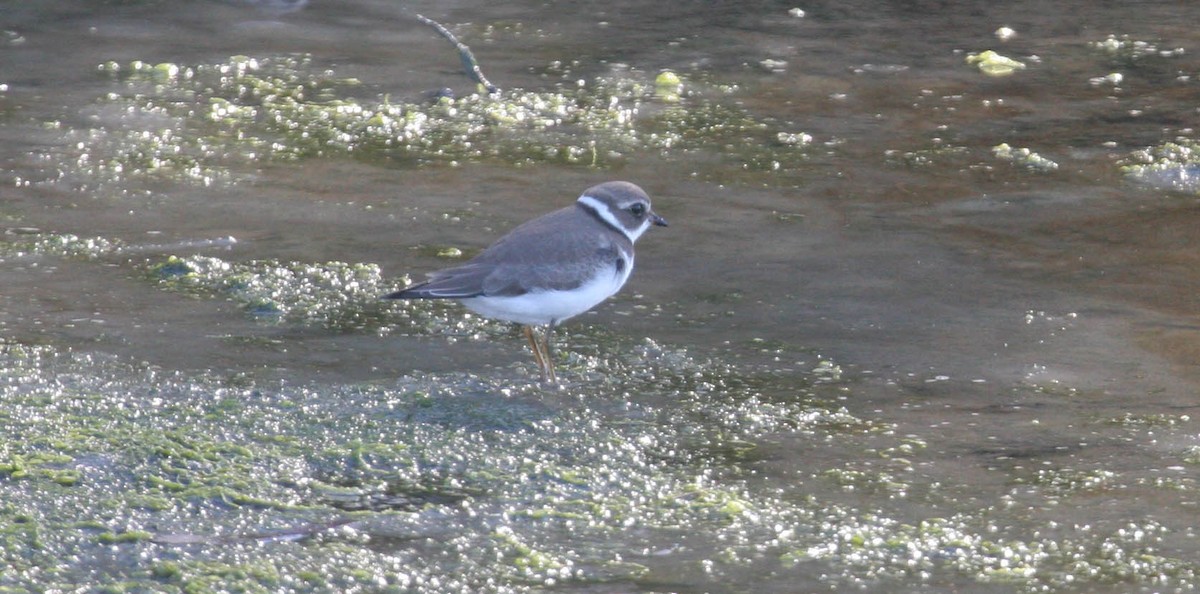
x,y
875,350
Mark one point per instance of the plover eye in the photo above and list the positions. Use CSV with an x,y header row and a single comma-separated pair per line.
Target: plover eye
x,y
638,209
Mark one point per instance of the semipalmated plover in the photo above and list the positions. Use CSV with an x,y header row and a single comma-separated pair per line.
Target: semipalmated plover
x,y
551,268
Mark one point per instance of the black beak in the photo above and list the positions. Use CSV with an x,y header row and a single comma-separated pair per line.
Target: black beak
x,y
657,220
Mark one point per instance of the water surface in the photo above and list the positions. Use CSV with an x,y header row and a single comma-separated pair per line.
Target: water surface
x,y
913,327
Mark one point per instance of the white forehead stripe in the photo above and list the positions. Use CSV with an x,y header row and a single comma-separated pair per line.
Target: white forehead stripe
x,y
606,213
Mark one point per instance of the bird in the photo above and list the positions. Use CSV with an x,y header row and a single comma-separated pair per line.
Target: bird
x,y
551,268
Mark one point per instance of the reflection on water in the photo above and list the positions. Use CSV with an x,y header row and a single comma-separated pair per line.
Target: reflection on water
x,y
916,327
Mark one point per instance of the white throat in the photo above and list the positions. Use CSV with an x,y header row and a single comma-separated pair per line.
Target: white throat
x,y
605,212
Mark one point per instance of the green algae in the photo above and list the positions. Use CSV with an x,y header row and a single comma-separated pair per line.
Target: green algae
x,y
668,86
203,123
1127,50
36,245
335,294
879,548
1172,165
859,480
504,492
465,484
124,537
208,459
940,155
1024,158
1191,455
1068,481
458,483
992,63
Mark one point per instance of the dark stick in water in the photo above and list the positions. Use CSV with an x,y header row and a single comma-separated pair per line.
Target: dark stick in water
x,y
468,59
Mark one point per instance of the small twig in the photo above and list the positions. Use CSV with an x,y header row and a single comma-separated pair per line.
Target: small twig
x,y
468,59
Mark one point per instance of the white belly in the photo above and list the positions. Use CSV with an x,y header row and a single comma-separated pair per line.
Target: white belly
x,y
546,306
